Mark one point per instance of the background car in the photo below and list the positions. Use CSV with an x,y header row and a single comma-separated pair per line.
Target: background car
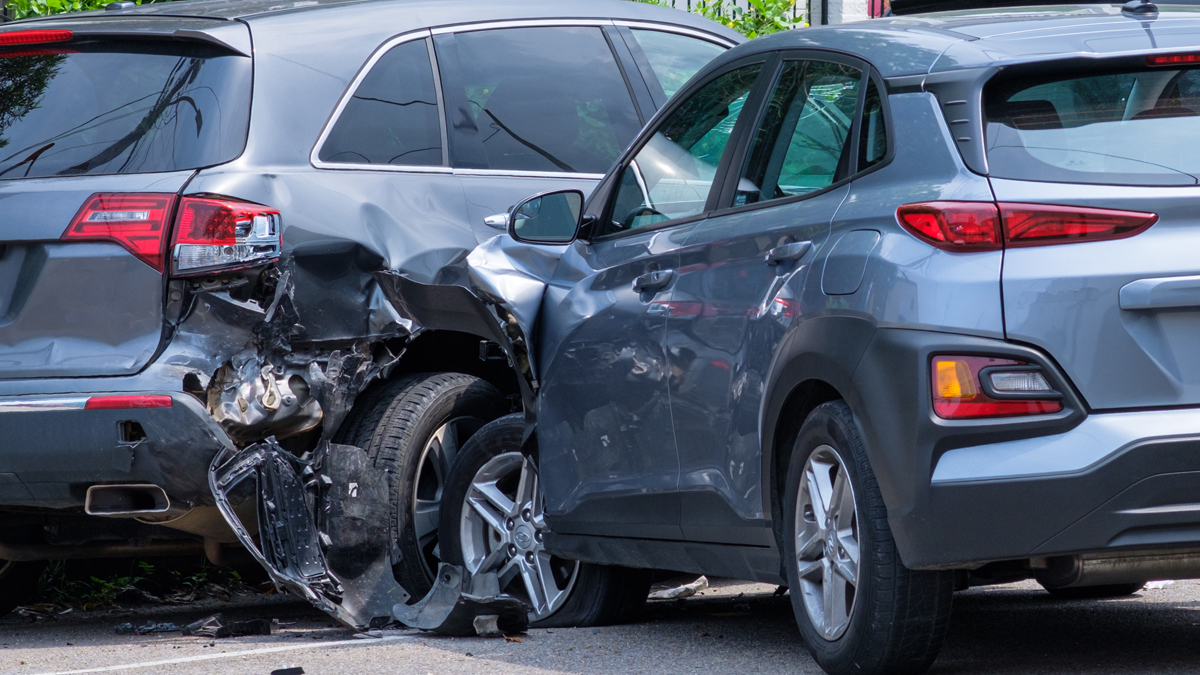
x,y
875,312
194,200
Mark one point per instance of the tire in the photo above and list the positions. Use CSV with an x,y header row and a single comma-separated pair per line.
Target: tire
x,y
1095,592
888,619
18,583
583,594
412,429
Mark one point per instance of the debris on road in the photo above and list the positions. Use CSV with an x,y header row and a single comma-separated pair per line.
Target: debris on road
x,y
144,628
680,592
216,626
458,599
1158,585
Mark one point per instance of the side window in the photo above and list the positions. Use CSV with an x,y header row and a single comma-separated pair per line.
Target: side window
x,y
392,118
542,99
673,58
803,143
670,177
872,141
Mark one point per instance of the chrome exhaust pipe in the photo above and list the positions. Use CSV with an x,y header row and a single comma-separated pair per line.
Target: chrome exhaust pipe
x,y
126,500
1102,569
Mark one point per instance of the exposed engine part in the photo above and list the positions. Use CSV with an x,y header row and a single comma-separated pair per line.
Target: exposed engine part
x,y
250,400
1100,569
126,500
458,602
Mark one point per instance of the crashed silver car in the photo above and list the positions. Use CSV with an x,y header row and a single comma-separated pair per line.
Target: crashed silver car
x,y
223,224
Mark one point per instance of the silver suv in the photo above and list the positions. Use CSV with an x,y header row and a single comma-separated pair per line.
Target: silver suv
x,y
195,199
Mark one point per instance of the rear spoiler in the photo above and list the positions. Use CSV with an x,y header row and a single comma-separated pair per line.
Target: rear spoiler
x,y
232,36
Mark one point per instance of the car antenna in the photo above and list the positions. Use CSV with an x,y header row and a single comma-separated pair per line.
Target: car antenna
x,y
1139,8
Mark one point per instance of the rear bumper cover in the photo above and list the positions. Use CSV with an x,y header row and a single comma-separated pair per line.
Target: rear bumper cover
x,y
964,493
54,448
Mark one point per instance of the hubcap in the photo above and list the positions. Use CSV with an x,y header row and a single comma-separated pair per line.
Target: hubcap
x,y
503,529
827,539
432,469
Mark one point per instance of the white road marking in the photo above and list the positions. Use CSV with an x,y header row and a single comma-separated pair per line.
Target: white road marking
x,y
230,655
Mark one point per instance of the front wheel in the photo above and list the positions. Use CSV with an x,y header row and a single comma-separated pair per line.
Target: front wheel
x,y
492,521
859,609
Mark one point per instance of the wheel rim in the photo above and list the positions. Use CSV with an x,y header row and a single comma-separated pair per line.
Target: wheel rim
x,y
436,458
827,553
503,529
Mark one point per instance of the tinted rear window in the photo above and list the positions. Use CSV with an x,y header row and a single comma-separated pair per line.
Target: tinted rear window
x,y
539,99
1125,128
116,108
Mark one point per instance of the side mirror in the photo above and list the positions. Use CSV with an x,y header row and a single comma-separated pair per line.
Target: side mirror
x,y
548,218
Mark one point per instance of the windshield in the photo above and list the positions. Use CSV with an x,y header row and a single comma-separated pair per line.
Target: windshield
x,y
120,107
1125,128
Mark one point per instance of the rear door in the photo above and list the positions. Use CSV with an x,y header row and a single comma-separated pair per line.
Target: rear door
x,y
538,106
120,125
1115,302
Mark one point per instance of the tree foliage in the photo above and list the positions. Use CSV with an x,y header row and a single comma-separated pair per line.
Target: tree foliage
x,y
762,18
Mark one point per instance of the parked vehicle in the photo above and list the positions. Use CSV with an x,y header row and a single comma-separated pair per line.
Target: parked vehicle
x,y
197,200
876,312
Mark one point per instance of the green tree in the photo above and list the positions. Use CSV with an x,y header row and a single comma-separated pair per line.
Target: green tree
x,y
763,18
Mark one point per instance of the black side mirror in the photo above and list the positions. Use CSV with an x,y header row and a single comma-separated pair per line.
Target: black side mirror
x,y
548,218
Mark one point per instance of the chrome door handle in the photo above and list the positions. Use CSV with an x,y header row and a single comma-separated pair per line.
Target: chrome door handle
x,y
787,252
653,281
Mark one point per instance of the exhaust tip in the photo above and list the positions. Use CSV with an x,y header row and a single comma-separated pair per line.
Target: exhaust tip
x,y
122,500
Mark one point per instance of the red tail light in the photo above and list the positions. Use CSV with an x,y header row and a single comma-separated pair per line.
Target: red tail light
x,y
19,53
1172,59
136,221
128,402
954,226
971,387
224,234
986,226
1040,224
33,37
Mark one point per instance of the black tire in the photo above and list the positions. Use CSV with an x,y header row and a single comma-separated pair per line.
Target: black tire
x,y
1096,592
897,617
601,595
18,583
395,425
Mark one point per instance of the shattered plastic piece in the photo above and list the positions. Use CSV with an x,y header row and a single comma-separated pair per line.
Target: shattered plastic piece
x,y
369,635
486,625
1158,585
344,568
216,626
680,592
455,601
288,671
143,629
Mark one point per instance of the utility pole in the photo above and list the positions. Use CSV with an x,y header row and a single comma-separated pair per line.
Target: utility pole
x,y
4,11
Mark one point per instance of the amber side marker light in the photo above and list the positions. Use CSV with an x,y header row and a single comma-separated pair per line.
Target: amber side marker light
x,y
972,387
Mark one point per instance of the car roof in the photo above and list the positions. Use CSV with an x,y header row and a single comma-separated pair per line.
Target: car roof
x,y
942,41
416,14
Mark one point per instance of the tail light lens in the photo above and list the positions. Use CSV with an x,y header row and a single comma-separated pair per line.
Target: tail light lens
x,y
223,234
1040,224
33,37
128,402
986,226
136,221
972,387
954,226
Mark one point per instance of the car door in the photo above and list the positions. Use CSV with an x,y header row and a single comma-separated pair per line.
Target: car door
x,y
538,106
739,283
607,453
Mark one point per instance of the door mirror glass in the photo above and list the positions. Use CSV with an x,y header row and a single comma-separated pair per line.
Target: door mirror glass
x,y
550,218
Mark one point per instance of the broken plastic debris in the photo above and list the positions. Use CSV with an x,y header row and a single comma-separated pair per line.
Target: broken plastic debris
x,y
486,625
457,599
216,626
1158,585
288,671
144,628
680,592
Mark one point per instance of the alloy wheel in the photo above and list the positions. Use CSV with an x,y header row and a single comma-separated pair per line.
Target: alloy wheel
x,y
432,469
503,529
827,543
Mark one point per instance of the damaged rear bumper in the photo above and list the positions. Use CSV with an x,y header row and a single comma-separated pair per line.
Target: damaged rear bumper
x,y
56,446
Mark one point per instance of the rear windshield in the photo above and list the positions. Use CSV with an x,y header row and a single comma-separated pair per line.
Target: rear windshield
x,y
117,107
1124,128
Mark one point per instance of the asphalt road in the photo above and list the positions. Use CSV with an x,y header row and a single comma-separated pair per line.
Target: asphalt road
x,y
734,627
